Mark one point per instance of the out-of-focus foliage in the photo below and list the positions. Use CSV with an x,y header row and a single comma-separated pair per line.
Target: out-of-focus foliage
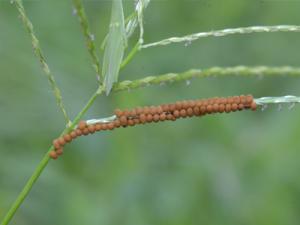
x,y
226,169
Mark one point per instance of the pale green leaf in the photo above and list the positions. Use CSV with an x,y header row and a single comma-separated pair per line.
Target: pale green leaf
x,y
115,46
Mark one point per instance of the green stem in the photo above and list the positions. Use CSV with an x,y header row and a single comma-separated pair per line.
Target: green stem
x,y
38,52
221,33
88,36
26,189
43,163
130,55
210,72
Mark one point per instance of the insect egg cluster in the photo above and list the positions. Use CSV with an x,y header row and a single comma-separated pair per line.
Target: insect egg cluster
x,y
164,112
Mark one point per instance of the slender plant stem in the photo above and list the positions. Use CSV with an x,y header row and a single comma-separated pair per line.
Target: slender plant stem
x,y
88,36
210,72
219,33
38,52
43,163
130,56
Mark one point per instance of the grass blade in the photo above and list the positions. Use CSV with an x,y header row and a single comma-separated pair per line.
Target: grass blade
x,y
89,38
115,46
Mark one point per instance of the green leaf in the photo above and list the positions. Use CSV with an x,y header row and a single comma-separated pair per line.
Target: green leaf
x,y
115,46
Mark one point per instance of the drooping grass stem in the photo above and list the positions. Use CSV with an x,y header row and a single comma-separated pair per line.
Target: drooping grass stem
x,y
259,71
89,38
220,33
38,52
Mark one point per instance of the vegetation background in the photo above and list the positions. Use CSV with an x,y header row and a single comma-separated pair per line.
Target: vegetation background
x,y
240,168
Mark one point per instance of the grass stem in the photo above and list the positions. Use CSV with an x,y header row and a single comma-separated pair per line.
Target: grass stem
x,y
38,52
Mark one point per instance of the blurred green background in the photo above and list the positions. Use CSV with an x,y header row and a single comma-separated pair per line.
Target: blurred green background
x,y
239,168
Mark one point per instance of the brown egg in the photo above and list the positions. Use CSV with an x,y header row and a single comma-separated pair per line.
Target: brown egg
x,y
61,141
59,151
234,107
86,131
56,144
170,117
143,118
196,110
146,110
203,110
136,121
152,110
91,128
67,137
218,100
133,113
230,100
209,109
82,124
117,123
105,127
165,107
221,108
98,126
73,134
156,117
110,126
223,101
162,117
118,112
243,99
205,102
130,122
139,110
183,113
53,155
249,99
123,120
149,118
78,132
210,101
176,113
126,113
236,99
199,103
159,109
192,103
172,107
215,107
227,108
190,112
178,105
241,106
